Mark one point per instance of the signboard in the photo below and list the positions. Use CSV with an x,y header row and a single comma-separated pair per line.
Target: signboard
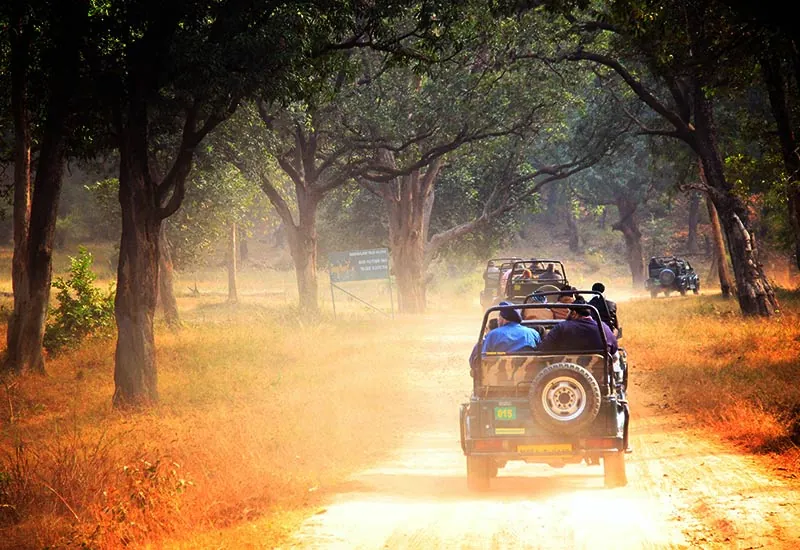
x,y
359,265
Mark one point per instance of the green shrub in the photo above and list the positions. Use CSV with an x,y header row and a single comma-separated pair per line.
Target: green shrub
x,y
83,309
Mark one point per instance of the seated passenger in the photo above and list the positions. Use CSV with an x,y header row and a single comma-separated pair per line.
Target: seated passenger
x,y
504,274
578,332
545,314
510,335
606,308
550,274
561,312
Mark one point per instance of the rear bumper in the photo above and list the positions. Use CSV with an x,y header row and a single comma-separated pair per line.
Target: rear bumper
x,y
546,447
525,448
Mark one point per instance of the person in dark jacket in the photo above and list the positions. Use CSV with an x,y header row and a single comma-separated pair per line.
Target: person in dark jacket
x,y
606,308
578,332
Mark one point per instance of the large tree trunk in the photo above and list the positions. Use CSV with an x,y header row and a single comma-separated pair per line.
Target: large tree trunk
x,y
233,294
166,281
135,376
773,77
628,225
753,289
34,229
16,356
408,260
32,293
720,258
302,239
409,201
694,215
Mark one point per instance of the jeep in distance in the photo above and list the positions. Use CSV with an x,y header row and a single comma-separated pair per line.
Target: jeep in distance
x,y
495,267
532,276
669,274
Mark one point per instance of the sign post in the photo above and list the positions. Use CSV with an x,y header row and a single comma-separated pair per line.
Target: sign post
x,y
359,265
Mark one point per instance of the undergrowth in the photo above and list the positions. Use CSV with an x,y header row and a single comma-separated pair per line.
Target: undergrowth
x,y
736,376
253,420
83,309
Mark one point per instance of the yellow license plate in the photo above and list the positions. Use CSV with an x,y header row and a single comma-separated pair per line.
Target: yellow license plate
x,y
555,448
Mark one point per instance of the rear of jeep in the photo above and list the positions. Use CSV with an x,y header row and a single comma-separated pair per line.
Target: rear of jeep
x,y
555,409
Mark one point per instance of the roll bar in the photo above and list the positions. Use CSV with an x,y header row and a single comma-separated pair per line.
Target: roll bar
x,y
595,314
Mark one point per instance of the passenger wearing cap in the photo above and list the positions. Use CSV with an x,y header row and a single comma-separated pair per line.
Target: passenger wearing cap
x,y
510,335
578,332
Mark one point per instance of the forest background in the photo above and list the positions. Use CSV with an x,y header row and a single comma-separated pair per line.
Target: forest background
x,y
252,139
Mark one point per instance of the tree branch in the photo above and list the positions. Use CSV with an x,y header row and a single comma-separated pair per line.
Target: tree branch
x,y
277,200
682,129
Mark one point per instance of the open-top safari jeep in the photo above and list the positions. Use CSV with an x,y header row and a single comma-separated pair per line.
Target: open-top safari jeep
x,y
555,408
528,276
491,279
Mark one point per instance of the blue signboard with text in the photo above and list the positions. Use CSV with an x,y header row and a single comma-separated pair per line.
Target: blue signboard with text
x,y
359,265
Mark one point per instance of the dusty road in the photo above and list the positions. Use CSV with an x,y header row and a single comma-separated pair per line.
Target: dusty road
x,y
684,491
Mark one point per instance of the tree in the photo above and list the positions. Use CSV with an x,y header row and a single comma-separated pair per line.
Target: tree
x,y
45,42
779,61
627,179
693,59
417,125
297,157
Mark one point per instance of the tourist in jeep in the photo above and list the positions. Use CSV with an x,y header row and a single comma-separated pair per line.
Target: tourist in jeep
x,y
605,307
510,335
550,274
561,313
578,332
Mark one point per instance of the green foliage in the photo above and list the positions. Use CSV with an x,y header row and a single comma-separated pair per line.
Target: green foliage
x,y
102,213
83,309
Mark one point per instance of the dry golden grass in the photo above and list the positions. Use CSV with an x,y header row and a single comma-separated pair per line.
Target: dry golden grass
x,y
260,415
738,377
263,413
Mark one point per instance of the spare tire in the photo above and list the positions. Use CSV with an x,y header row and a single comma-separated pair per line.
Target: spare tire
x,y
667,276
564,398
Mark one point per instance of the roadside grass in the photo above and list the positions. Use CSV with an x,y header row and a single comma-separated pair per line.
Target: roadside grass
x,y
736,377
261,414
264,413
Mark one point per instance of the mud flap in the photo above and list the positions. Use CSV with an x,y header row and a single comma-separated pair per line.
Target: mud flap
x,y
462,417
627,412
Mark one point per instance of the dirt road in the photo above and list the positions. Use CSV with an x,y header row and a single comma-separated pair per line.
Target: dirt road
x,y
684,491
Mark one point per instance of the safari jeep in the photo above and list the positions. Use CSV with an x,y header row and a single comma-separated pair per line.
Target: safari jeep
x,y
491,279
529,276
552,408
670,274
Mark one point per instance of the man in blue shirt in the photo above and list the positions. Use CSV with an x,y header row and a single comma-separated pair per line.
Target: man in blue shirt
x,y
510,335
578,332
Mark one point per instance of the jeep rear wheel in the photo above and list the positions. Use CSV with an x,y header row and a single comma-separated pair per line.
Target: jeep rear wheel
x,y
565,398
683,292
653,294
478,472
614,469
